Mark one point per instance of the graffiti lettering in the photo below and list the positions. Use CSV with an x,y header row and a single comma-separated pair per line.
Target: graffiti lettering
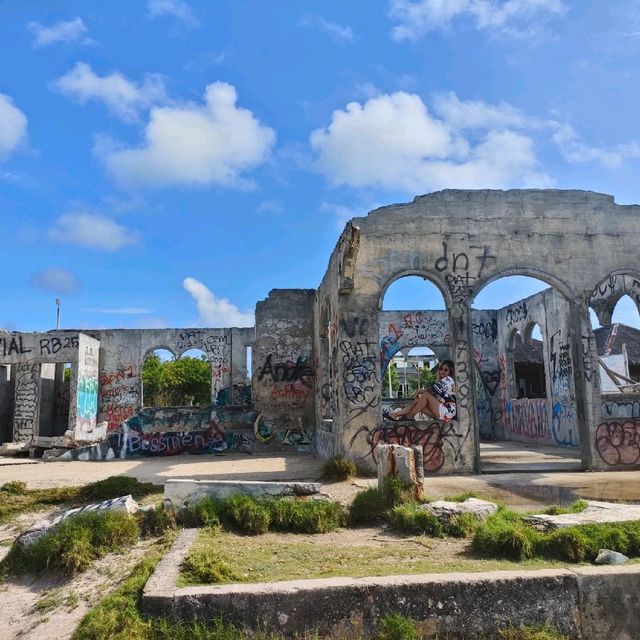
x,y
516,314
618,443
12,345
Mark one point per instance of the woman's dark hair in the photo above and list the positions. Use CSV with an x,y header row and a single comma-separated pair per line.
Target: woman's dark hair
x,y
451,366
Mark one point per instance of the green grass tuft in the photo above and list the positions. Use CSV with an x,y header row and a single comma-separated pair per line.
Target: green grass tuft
x,y
368,507
254,516
397,627
116,486
338,469
14,488
156,522
207,568
413,519
75,544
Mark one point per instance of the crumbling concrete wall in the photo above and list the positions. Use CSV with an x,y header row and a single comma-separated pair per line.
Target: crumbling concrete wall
x,y
284,369
551,420
37,359
461,241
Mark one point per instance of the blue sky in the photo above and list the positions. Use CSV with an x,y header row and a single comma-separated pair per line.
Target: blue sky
x,y
168,162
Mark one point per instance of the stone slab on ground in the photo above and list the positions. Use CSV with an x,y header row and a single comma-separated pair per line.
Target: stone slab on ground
x,y
595,513
578,602
446,510
39,529
179,492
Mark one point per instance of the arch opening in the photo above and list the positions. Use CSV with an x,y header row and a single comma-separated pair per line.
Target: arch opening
x,y
525,395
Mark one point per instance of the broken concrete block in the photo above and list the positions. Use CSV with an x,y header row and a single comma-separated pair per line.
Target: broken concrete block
x,y
39,529
179,492
606,556
596,513
445,510
396,461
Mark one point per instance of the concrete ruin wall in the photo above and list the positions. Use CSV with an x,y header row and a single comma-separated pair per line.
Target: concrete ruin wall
x,y
551,420
41,406
319,356
461,241
283,383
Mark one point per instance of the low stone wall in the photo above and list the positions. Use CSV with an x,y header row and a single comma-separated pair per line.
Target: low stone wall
x,y
585,603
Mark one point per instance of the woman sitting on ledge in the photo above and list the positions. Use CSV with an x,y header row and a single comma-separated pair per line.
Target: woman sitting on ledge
x,y
438,401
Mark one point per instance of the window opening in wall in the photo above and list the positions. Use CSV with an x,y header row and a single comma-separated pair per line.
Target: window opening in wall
x,y
414,330
6,403
54,399
618,346
525,396
248,356
156,379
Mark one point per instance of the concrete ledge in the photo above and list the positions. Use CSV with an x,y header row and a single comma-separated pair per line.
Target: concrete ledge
x,y
181,492
586,603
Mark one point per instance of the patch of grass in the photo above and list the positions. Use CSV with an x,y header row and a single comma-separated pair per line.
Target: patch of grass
x,y
255,516
338,469
207,568
14,488
413,519
506,535
397,627
260,559
202,513
368,507
156,522
75,544
246,514
306,516
576,507
19,499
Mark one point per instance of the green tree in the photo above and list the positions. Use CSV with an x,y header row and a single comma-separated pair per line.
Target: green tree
x,y
392,371
176,383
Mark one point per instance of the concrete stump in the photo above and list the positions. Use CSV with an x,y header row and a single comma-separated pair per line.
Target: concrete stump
x,y
396,461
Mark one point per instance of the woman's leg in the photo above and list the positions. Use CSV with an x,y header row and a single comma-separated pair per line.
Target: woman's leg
x,y
425,402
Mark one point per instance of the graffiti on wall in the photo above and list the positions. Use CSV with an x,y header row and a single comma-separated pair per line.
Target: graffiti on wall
x,y
118,395
432,438
526,418
563,420
290,383
618,443
516,313
293,436
163,431
360,378
416,328
87,400
26,401
621,408
461,270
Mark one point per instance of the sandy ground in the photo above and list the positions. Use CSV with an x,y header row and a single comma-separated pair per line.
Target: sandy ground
x,y
50,608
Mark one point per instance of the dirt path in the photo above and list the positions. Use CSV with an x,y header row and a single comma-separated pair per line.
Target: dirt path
x,y
50,608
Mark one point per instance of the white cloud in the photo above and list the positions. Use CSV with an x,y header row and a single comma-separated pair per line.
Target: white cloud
x,y
93,231
58,281
393,142
194,145
125,311
213,311
174,8
13,127
62,31
122,97
475,114
576,151
338,32
417,17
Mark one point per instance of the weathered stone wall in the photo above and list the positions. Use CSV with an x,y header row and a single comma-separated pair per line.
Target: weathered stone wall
x,y
552,420
284,369
461,241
